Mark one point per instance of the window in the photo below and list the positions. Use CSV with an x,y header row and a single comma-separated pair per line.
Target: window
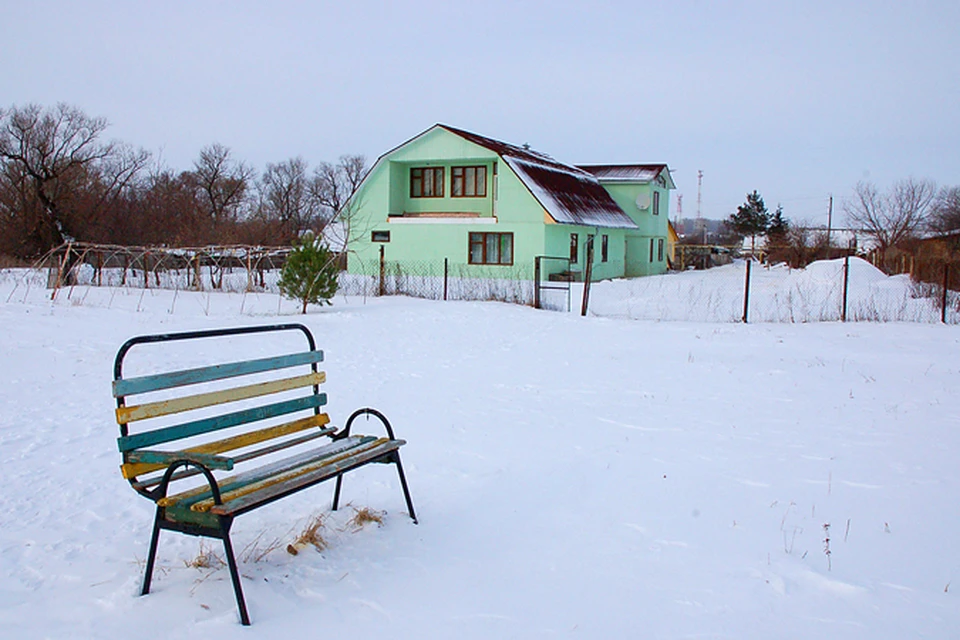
x,y
468,182
574,247
660,249
604,248
651,249
426,182
491,248
379,236
656,203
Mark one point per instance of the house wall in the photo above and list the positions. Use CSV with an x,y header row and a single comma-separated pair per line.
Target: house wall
x,y
508,207
558,244
636,243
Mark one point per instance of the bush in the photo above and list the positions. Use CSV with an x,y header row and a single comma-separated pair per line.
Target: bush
x,y
310,273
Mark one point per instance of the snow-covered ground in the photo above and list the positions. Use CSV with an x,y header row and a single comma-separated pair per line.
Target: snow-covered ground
x,y
574,477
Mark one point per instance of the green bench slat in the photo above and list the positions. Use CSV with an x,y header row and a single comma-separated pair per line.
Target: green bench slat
x,y
206,425
145,384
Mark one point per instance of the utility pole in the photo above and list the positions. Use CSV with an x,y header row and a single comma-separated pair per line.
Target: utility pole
x,y
829,224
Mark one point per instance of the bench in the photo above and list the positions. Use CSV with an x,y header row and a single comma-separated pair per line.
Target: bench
x,y
188,427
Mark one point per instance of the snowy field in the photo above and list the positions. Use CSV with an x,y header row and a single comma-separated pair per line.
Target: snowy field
x,y
574,477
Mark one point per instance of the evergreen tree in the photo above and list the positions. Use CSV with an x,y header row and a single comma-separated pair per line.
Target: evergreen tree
x,y
310,273
751,218
778,228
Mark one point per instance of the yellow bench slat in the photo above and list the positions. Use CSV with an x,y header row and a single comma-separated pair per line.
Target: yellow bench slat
x,y
132,470
201,400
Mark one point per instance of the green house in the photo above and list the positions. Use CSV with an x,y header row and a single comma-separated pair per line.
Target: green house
x,y
491,208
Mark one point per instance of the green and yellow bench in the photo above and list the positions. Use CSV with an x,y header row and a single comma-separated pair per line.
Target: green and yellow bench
x,y
189,429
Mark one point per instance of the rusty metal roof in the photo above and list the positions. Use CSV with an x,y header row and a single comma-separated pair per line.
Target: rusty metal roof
x,y
569,194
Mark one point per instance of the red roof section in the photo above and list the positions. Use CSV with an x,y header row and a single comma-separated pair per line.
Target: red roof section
x,y
569,194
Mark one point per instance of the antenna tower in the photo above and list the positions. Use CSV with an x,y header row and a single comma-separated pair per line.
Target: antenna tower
x,y
700,225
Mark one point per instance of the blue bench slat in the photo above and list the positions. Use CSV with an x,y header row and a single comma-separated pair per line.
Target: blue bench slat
x,y
196,427
145,384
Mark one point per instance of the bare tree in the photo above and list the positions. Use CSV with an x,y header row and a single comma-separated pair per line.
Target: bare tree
x,y
57,157
945,212
222,184
892,217
334,187
285,198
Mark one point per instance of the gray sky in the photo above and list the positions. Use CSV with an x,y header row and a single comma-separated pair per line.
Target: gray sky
x,y
795,99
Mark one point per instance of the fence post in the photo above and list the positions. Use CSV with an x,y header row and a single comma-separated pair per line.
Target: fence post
x,y
946,283
381,289
846,288
587,275
746,292
536,282
446,274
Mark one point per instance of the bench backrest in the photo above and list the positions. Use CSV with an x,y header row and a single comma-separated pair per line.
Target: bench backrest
x,y
243,409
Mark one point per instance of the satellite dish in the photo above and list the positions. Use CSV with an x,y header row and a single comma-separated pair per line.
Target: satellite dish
x,y
643,200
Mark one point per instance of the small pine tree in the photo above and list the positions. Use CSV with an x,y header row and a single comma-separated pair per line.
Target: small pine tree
x,y
778,227
751,218
310,273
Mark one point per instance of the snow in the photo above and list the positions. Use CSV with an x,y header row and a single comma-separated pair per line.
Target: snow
x,y
593,477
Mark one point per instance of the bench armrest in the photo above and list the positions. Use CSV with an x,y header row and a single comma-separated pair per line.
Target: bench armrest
x,y
208,460
366,411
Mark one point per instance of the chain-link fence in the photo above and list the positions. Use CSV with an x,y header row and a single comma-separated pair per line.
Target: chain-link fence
x,y
849,289
440,280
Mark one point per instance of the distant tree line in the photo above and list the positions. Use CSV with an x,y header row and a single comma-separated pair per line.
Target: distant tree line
x,y
61,180
894,219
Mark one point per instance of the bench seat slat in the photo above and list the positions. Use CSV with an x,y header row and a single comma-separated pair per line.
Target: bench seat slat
x,y
229,483
278,489
250,455
132,470
354,453
216,423
201,400
158,382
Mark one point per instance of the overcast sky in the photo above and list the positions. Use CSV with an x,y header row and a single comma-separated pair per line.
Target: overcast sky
x,y
798,100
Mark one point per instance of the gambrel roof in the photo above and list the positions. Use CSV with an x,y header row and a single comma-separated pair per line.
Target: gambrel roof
x,y
568,194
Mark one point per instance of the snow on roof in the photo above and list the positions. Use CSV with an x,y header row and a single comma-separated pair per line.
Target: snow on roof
x,y
624,172
569,194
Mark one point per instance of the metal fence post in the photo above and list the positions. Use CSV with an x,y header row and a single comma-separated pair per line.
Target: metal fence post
x,y
380,288
587,275
746,292
446,274
536,282
846,287
946,284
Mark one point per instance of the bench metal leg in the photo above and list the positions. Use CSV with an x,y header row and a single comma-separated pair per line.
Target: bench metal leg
x,y
406,491
151,555
336,492
234,572
394,458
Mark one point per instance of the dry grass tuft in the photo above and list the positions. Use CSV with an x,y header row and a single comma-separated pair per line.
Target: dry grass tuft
x,y
257,550
364,516
206,558
310,536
